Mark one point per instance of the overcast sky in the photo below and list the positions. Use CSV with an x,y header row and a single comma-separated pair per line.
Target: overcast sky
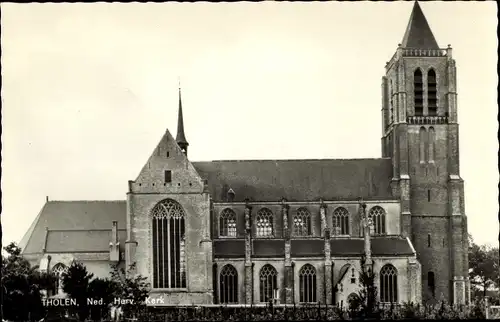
x,y
89,89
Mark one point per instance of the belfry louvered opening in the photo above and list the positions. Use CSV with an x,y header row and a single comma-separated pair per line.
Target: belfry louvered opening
x,y
418,89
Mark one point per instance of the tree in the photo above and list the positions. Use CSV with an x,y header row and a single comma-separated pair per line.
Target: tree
x,y
101,289
22,286
75,283
131,287
483,264
366,300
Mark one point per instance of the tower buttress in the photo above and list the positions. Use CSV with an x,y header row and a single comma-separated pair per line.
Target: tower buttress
x,y
420,135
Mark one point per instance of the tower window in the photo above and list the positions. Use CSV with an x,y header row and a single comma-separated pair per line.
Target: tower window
x,y
432,139
432,92
423,144
428,240
428,196
168,154
431,283
418,88
168,176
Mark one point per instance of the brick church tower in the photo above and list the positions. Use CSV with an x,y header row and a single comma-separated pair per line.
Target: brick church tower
x,y
420,135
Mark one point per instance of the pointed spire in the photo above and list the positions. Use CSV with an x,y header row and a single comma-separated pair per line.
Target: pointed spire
x,y
418,33
181,137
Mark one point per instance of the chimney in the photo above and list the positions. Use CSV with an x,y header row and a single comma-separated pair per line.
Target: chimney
x,y
47,198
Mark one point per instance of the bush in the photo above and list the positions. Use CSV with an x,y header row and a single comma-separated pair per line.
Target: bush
x,y
405,311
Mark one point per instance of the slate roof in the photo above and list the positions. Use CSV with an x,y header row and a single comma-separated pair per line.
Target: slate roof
x,y
342,247
307,247
268,248
86,222
77,241
418,33
228,248
381,246
298,180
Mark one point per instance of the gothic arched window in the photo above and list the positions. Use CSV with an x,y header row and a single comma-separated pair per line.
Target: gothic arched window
x,y
432,92
169,257
307,280
228,284
227,220
302,222
431,283
423,144
418,90
378,216
268,282
264,223
340,221
58,271
388,284
432,139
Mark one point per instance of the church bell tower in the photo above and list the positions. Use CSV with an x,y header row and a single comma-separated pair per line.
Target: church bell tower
x,y
420,135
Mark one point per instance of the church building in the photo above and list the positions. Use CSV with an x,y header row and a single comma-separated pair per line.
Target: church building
x,y
291,231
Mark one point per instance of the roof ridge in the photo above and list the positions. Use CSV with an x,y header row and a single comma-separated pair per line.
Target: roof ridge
x,y
275,160
79,230
68,201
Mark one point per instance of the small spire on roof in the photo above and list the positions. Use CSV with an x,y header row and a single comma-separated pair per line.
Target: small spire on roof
x,y
181,137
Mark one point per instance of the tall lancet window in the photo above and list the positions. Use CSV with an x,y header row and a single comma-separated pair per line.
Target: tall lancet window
x,y
307,283
169,256
265,223
340,221
432,139
58,271
377,214
227,227
302,222
432,92
422,144
228,281
268,279
418,89
388,284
